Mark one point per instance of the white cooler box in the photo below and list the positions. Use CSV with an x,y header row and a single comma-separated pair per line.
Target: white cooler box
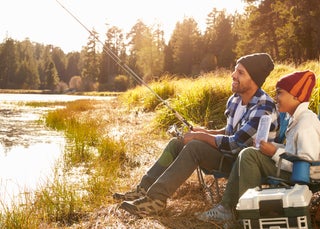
x,y
275,208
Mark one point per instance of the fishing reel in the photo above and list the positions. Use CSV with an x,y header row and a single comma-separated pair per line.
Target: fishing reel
x,y
174,131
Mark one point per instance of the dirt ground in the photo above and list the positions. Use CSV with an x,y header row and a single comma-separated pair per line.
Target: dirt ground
x,y
145,144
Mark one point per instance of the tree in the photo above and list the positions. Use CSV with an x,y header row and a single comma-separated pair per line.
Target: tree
x,y
137,39
75,83
299,30
28,75
48,73
288,29
8,64
185,45
59,59
90,70
73,68
219,41
114,50
150,55
257,33
52,78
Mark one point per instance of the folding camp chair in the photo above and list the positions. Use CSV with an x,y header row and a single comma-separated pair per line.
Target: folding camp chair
x,y
301,175
301,170
217,174
222,173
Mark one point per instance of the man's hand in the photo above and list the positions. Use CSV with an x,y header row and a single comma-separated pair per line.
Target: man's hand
x,y
267,148
201,136
214,132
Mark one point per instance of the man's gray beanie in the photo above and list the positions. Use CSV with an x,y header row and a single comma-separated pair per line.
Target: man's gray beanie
x,y
258,65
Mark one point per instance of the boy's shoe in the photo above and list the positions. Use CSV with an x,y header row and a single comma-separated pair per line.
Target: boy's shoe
x,y
143,206
131,195
216,213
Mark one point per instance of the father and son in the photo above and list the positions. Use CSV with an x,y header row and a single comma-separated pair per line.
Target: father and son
x,y
204,148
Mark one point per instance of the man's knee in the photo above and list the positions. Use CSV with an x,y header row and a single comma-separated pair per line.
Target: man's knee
x,y
171,151
205,155
194,147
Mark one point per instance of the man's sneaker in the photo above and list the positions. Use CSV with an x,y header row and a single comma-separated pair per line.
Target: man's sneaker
x,y
216,213
132,195
143,206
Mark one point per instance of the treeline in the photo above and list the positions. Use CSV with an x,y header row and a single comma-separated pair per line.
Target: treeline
x,y
289,30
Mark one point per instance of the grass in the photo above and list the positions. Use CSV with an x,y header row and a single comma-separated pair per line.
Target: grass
x,y
82,180
111,144
202,100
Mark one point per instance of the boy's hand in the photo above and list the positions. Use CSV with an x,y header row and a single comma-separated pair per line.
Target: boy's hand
x,y
267,148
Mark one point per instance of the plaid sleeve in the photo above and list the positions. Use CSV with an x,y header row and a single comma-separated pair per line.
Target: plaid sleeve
x,y
234,141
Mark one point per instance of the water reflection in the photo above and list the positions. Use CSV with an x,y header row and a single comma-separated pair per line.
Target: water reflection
x,y
28,150
26,168
19,126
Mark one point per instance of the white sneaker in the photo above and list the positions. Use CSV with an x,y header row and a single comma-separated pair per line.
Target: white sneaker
x,y
216,213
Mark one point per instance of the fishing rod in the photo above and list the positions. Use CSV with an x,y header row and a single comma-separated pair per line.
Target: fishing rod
x,y
127,69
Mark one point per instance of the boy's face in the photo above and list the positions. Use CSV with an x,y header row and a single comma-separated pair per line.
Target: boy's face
x,y
286,102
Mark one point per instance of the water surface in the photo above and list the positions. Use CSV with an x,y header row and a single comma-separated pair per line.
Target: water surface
x,y
28,149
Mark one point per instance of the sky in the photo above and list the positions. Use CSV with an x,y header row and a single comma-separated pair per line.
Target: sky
x,y
47,22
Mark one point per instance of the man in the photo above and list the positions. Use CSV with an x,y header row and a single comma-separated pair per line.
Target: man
x,y
302,139
204,148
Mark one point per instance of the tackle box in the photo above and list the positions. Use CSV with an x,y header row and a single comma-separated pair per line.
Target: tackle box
x,y
275,208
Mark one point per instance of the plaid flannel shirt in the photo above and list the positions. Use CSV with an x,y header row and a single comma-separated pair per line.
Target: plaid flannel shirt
x,y
241,136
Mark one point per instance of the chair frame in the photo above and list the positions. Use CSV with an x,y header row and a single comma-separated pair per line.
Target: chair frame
x,y
314,184
217,174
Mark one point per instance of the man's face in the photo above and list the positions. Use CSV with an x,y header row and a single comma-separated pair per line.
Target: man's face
x,y
241,80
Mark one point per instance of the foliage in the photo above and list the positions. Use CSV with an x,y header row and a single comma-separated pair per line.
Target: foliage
x,y
88,147
185,48
121,83
288,30
142,96
202,100
219,41
146,49
58,202
109,68
100,158
62,201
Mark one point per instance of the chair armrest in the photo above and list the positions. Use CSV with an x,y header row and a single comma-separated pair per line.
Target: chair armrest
x,y
291,157
301,168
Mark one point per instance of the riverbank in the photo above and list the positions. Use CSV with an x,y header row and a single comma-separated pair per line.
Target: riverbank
x,y
144,144
49,92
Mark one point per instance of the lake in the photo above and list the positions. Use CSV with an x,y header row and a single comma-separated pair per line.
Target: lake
x,y
28,149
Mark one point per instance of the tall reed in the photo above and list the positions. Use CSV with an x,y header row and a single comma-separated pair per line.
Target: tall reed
x,y
202,100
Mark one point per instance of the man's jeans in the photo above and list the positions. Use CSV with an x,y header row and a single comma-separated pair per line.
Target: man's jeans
x,y
176,164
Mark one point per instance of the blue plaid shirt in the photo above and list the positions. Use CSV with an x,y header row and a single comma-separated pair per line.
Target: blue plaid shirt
x,y
242,135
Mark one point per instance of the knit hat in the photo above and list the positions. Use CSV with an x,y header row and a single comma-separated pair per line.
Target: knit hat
x,y
298,84
258,65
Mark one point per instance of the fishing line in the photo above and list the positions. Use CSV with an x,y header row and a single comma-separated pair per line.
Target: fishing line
x,y
125,67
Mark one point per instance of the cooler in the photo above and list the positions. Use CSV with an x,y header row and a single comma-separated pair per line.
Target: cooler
x,y
275,208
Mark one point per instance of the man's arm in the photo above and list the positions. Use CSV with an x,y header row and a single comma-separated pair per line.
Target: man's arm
x,y
214,132
201,136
